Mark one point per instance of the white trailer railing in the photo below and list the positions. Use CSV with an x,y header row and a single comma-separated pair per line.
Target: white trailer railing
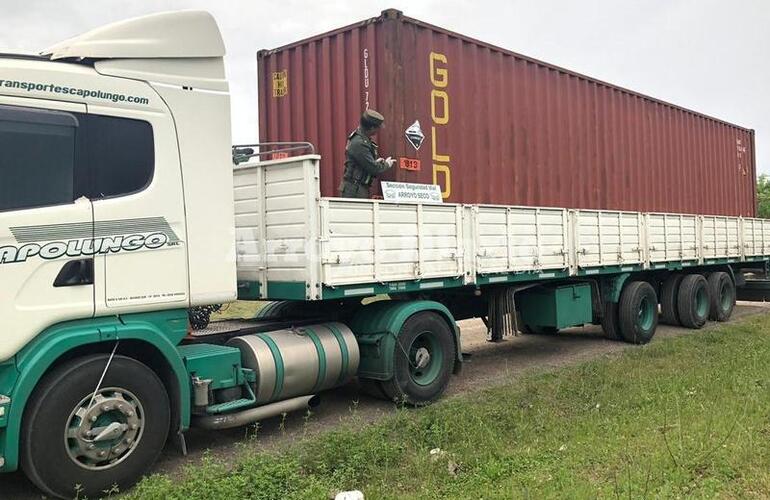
x,y
287,233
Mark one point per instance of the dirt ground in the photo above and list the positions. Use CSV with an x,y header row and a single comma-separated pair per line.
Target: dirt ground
x,y
488,365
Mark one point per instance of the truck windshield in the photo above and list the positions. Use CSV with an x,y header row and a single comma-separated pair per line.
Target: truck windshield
x,y
37,157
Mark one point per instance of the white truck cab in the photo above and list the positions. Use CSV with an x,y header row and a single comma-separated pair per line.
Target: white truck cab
x,y
104,159
116,198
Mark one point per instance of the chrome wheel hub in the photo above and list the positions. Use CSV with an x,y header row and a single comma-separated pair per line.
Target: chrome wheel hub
x,y
104,432
422,358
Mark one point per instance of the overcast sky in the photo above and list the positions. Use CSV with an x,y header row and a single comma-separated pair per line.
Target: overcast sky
x,y
708,55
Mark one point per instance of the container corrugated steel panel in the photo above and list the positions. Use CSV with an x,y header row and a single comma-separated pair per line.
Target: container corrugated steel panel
x,y
499,127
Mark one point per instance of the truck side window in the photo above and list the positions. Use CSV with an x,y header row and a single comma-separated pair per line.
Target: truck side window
x,y
53,157
37,158
121,155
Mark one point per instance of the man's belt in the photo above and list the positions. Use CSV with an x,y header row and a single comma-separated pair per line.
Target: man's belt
x,y
358,182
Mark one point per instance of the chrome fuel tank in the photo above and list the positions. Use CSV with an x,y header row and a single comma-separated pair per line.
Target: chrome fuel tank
x,y
299,361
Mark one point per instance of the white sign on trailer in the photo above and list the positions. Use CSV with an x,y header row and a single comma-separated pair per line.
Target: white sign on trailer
x,y
411,192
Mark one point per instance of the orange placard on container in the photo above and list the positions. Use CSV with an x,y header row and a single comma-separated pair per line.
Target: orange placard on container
x,y
279,155
409,163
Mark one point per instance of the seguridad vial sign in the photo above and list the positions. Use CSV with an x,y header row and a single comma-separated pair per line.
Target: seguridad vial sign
x,y
411,192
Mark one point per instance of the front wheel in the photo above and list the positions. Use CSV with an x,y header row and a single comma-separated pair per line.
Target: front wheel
x,y
78,441
423,360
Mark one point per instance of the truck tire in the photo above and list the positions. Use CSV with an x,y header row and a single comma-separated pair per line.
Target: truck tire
x,y
59,449
610,320
668,295
693,301
638,312
422,362
722,291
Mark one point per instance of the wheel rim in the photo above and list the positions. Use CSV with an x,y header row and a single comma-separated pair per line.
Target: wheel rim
x,y
725,296
701,302
425,358
646,314
103,433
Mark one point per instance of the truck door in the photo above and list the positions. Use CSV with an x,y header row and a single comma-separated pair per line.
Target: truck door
x,y
46,224
138,205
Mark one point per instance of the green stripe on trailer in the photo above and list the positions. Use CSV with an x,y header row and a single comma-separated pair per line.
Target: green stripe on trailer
x,y
491,279
674,265
729,260
370,289
296,290
319,348
594,270
279,369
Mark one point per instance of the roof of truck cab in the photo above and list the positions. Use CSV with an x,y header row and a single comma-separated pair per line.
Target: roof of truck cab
x,y
13,54
183,34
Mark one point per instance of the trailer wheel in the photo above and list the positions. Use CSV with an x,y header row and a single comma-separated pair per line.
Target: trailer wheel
x,y
722,293
423,360
610,321
668,295
693,301
638,312
77,442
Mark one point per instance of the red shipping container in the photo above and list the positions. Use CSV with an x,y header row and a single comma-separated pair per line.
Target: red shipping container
x,y
499,127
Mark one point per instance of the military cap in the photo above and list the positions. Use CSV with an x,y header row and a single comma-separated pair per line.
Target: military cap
x,y
372,118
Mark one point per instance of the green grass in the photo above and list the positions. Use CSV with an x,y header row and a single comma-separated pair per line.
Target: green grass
x,y
240,309
683,417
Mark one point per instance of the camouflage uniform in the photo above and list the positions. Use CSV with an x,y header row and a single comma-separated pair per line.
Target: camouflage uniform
x,y
362,163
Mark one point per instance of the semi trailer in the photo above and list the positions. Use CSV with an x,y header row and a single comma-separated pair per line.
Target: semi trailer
x,y
124,207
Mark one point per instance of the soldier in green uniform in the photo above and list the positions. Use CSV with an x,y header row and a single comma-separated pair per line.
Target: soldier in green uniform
x,y
362,163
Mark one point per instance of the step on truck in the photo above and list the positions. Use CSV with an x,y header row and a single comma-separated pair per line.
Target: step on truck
x,y
126,216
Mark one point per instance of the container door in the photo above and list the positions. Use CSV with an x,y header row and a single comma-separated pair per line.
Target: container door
x,y
46,224
138,211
